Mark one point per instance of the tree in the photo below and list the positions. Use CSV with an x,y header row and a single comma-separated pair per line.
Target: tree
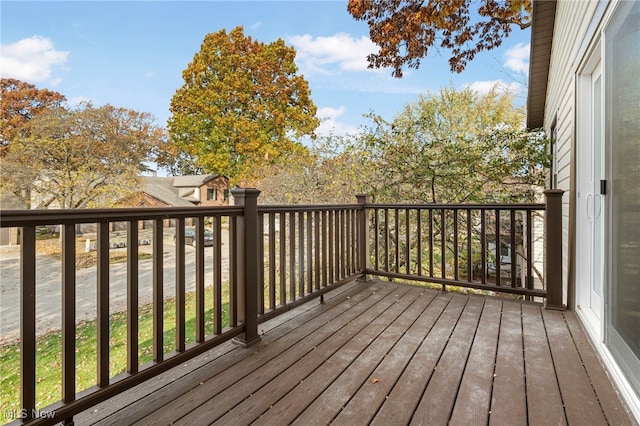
x,y
86,157
241,105
406,30
20,102
332,170
456,147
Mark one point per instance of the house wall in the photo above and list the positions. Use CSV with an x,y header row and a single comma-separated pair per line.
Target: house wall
x,y
577,30
220,184
573,20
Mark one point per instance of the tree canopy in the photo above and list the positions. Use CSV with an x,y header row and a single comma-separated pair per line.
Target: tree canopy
x,y
406,30
20,102
242,104
455,146
459,146
84,157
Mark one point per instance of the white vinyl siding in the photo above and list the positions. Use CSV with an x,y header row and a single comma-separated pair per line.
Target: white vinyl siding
x,y
573,19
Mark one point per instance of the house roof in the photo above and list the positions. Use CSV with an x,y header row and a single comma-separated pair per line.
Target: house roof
x,y
192,180
542,23
162,189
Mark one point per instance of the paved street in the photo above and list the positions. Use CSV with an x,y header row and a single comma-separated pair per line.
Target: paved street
x,y
48,286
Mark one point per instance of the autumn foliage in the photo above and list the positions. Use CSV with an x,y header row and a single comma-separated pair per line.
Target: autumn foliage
x,y
242,104
19,103
406,30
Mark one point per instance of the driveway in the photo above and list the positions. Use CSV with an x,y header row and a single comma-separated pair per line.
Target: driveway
x,y
49,283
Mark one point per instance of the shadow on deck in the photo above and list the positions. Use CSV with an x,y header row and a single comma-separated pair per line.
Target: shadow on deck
x,y
386,353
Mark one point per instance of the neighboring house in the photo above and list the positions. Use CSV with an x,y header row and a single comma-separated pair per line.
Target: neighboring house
x,y
584,89
185,191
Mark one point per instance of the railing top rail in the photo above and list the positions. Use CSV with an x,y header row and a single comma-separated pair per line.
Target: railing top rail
x,y
306,208
11,218
458,206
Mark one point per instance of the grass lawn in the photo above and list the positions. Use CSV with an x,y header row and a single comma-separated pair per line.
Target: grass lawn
x,y
48,357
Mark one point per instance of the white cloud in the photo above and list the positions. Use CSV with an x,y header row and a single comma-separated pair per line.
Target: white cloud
x,y
30,59
256,25
330,124
484,87
518,57
322,54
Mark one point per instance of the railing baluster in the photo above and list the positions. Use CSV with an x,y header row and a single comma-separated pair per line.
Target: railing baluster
x,y
431,242
529,279
301,222
158,297
261,267
456,265
419,240
28,319
498,249
132,296
336,223
309,252
483,244
69,313
217,274
233,271
376,239
317,250
387,252
469,243
292,256
102,303
200,320
325,249
282,229
180,278
396,235
407,225
354,242
330,241
443,244
514,251
272,262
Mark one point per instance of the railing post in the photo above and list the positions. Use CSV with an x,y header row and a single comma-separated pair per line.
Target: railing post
x,y
553,248
363,235
247,256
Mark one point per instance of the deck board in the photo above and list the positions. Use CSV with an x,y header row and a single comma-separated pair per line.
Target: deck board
x,y
474,396
543,395
509,400
437,402
385,353
349,341
581,403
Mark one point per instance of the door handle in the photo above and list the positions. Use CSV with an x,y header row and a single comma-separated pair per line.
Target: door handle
x,y
588,208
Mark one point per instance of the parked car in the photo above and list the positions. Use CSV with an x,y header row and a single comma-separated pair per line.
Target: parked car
x,y
190,237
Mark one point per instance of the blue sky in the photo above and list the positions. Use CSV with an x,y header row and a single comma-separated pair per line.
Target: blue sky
x,y
131,54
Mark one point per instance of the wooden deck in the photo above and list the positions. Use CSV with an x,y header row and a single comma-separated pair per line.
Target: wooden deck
x,y
388,354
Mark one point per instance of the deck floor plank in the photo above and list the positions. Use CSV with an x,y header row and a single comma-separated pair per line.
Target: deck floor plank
x,y
289,407
509,402
398,408
474,396
337,396
362,407
437,402
315,330
581,404
351,340
544,402
608,396
438,358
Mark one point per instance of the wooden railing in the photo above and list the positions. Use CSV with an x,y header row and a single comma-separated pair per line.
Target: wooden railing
x,y
265,260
